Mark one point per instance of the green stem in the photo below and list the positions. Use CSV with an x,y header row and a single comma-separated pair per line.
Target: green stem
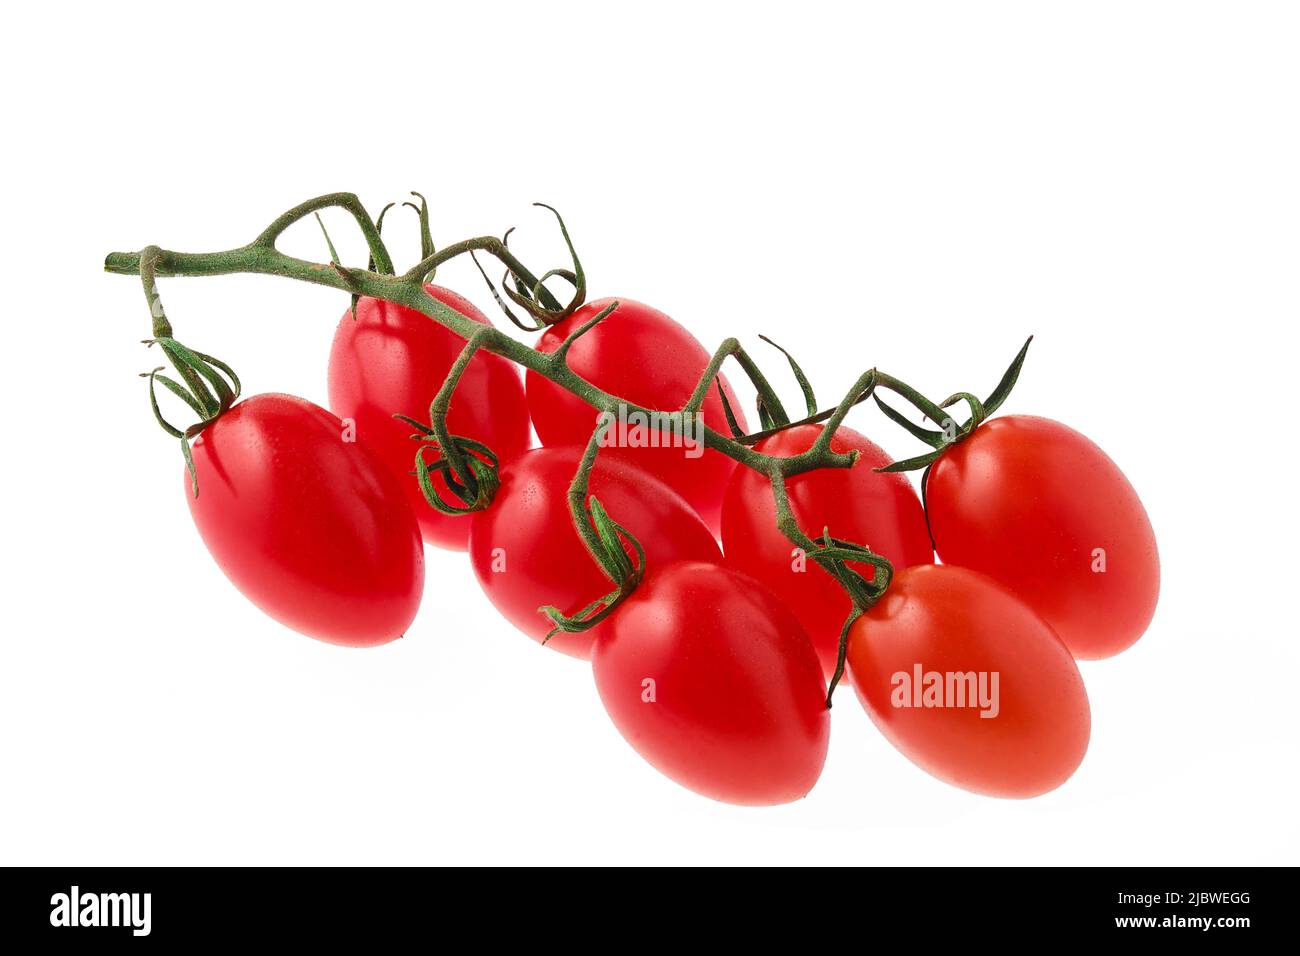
x,y
834,557
149,256
577,499
259,258
441,405
350,202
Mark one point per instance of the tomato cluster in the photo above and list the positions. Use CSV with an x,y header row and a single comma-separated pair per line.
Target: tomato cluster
x,y
740,593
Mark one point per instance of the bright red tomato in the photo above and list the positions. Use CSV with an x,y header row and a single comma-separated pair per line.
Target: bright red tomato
x,y
924,661
642,355
313,529
527,553
1042,510
714,682
392,360
857,504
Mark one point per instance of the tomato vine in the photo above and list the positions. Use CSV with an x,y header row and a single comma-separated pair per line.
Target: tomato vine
x,y
210,387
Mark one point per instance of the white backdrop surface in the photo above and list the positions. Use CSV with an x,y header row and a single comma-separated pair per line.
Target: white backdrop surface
x,y
916,186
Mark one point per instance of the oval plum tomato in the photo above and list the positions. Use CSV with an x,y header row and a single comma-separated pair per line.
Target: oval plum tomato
x,y
857,504
712,680
642,355
1039,508
392,360
312,528
970,684
527,553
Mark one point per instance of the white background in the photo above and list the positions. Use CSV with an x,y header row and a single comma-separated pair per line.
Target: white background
x,y
916,186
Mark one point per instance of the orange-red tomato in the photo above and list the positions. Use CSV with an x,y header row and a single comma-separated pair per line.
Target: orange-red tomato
x,y
970,683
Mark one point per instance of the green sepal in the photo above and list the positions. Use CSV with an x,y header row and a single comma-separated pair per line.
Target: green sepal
x,y
370,263
210,388
538,301
535,326
178,356
427,247
334,255
912,464
841,656
618,564
226,395
237,387
1008,381
977,410
611,535
932,438
189,465
810,399
177,390
980,411
475,493
736,430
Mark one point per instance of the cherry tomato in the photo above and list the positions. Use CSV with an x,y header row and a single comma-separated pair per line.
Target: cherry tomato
x,y
312,528
1042,510
527,553
642,355
924,661
714,682
392,360
857,504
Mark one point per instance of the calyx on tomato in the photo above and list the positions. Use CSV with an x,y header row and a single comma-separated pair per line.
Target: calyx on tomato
x,y
210,385
537,300
604,539
951,432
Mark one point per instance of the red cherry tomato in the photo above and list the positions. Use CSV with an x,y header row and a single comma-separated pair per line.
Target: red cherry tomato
x,y
642,355
714,682
941,620
313,529
1042,510
392,360
857,504
527,553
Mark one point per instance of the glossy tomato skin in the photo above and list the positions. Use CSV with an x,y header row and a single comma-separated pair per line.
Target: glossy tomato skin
x,y
312,529
713,681
643,356
952,620
527,553
1029,502
390,360
881,511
